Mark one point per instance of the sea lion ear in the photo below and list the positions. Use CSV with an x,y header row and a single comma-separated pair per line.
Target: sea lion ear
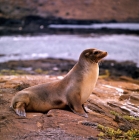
x,y
87,54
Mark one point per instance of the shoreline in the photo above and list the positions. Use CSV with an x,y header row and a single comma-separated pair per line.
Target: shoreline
x,y
4,31
55,66
35,25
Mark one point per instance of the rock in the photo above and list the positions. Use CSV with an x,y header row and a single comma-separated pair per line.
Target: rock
x,y
32,115
114,104
119,119
129,79
127,68
21,86
134,98
95,108
63,124
124,97
125,127
91,124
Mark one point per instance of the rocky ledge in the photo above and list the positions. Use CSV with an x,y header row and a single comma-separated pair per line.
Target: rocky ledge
x,y
112,106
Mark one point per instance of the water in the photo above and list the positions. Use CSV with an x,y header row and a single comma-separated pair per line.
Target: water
x,y
119,47
129,26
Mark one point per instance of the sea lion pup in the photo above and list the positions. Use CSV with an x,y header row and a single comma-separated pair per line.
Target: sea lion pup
x,y
73,90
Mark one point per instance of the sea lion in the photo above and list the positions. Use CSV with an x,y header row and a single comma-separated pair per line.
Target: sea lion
x,y
73,90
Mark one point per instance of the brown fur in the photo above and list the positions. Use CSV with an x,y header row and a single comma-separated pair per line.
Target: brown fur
x,y
73,90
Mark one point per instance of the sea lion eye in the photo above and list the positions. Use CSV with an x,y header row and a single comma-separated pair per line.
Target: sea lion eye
x,y
96,52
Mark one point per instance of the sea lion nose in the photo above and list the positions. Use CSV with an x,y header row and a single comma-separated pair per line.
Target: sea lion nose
x,y
105,53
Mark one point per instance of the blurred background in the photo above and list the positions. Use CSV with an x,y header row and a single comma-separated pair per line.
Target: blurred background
x,y
33,30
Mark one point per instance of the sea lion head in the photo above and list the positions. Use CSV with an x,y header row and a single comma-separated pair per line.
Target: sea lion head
x,y
93,55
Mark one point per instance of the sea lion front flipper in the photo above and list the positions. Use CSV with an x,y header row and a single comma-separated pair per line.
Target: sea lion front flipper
x,y
20,109
77,109
76,106
85,108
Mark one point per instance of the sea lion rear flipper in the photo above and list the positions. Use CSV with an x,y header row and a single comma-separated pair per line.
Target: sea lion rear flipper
x,y
76,106
20,112
20,109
